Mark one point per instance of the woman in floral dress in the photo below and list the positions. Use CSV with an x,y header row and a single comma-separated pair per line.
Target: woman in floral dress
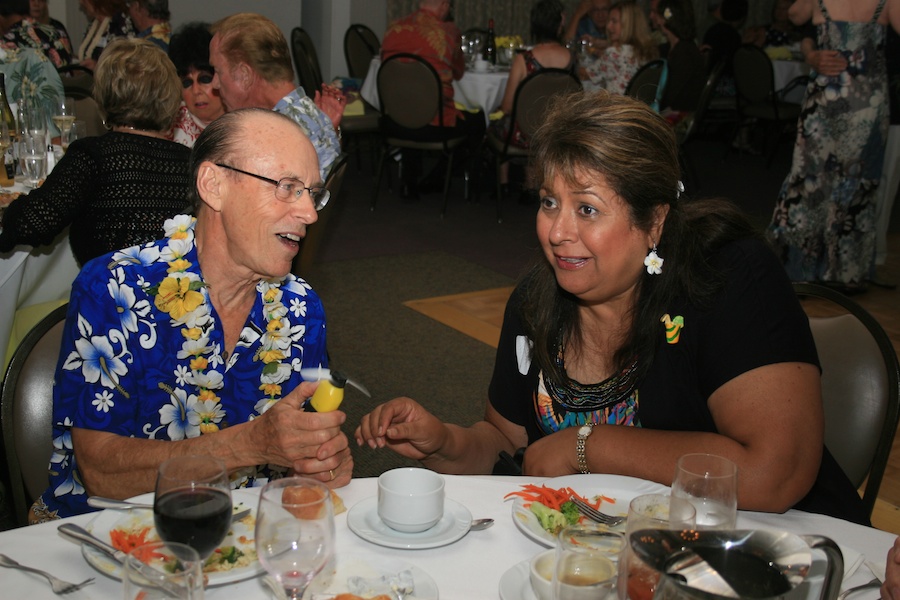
x,y
824,221
630,48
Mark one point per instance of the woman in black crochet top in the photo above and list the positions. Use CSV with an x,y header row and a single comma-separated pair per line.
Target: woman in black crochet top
x,y
117,189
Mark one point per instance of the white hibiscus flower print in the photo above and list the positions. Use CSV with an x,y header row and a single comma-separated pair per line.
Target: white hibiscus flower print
x,y
98,361
124,298
177,416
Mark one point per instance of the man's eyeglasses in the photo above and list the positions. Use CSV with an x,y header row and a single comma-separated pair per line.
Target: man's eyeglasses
x,y
289,189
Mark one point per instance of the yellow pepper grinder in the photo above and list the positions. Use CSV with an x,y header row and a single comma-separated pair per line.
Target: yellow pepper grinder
x,y
329,395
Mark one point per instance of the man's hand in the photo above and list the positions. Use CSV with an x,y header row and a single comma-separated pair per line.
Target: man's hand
x,y
331,101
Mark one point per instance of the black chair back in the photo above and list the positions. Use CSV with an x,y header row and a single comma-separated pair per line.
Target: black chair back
x,y
533,96
409,90
306,61
360,46
754,75
644,85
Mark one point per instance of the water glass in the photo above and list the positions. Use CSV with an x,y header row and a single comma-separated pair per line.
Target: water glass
x,y
163,570
586,562
637,580
709,482
33,157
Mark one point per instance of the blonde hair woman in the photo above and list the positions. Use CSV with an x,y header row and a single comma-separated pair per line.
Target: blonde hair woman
x,y
630,48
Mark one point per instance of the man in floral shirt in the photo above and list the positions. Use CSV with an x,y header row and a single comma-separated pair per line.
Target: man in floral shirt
x,y
253,69
21,31
194,344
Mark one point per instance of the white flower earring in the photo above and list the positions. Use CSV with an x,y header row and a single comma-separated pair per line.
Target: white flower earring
x,y
653,262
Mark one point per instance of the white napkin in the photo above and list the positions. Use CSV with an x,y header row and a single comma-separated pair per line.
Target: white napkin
x,y
852,561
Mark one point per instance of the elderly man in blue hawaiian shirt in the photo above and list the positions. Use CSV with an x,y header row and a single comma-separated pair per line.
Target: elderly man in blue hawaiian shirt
x,y
194,344
253,68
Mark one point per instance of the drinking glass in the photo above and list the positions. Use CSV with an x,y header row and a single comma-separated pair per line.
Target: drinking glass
x,y
35,119
294,531
586,559
709,482
637,580
33,156
162,570
64,117
78,131
193,502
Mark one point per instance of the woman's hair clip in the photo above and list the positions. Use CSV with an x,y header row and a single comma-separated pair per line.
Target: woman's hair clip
x,y
667,14
679,189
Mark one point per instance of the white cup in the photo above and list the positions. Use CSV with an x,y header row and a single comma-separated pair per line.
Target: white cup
x,y
410,499
481,65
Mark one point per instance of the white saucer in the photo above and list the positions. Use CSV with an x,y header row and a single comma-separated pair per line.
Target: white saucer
x,y
515,584
364,521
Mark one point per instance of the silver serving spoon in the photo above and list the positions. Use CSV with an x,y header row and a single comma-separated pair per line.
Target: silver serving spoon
x,y
479,524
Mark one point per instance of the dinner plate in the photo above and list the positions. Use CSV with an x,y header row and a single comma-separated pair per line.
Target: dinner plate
x,y
364,521
372,568
240,536
620,487
515,583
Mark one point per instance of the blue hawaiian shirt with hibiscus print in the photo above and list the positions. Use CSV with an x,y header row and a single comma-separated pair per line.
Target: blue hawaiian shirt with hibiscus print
x,y
143,356
301,109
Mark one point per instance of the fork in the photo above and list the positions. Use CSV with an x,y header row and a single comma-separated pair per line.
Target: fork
x,y
595,515
59,586
875,582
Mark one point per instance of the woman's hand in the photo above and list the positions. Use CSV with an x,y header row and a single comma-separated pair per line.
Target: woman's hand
x,y
331,101
830,63
403,426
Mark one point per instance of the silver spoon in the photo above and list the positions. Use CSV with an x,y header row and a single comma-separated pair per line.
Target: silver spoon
x,y
479,524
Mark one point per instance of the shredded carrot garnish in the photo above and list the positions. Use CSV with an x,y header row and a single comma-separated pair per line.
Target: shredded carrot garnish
x,y
554,498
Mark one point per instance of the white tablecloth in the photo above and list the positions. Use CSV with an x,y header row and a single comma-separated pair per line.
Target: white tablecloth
x,y
29,277
468,569
475,90
785,72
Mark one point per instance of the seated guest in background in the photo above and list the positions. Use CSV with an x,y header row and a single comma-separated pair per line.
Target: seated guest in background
x,y
210,368
107,21
429,33
117,189
30,76
723,37
615,354
547,17
253,68
151,21
779,33
630,48
686,66
588,24
201,104
41,13
21,31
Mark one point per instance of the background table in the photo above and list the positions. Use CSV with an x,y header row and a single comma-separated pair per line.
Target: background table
x,y
470,568
33,281
475,90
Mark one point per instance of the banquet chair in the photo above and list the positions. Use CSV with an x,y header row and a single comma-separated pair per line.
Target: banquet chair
x,y
360,46
644,85
409,91
26,409
309,245
757,98
306,61
529,107
860,383
687,128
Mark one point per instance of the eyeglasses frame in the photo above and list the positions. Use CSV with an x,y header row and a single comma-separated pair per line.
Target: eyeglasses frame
x,y
318,205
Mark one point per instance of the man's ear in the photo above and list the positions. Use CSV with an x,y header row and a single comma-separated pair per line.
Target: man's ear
x,y
245,76
211,185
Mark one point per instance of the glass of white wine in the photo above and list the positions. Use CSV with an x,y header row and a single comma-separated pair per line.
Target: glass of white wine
x,y
64,118
33,152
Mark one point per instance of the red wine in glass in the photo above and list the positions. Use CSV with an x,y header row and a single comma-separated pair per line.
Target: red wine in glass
x,y
199,517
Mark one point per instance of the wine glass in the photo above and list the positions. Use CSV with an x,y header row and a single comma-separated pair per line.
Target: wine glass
x,y
193,502
294,531
162,570
709,482
33,156
63,119
78,131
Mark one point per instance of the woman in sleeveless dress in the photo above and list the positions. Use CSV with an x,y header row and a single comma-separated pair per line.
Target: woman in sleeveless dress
x,y
630,47
823,225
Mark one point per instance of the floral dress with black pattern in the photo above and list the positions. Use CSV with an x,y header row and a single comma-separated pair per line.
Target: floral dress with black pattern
x,y
143,355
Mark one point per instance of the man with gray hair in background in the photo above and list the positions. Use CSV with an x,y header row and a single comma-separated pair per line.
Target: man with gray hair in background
x,y
253,69
151,21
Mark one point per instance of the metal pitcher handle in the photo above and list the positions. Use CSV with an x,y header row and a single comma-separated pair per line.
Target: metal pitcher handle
x,y
834,572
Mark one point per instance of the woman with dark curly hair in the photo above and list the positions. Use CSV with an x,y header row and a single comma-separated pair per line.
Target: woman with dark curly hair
x,y
201,103
115,190
650,327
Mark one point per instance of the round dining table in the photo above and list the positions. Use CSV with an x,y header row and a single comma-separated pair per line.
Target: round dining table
x,y
475,90
470,565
